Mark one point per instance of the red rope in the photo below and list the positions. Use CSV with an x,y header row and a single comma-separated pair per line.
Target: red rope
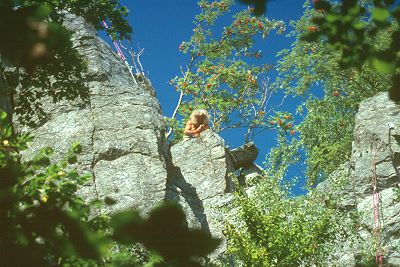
x,y
377,219
116,45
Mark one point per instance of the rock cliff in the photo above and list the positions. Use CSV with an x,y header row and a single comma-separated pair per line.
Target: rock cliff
x,y
375,152
120,127
122,132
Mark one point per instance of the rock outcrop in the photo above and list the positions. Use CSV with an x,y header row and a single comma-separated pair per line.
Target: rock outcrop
x,y
120,127
200,177
244,156
375,151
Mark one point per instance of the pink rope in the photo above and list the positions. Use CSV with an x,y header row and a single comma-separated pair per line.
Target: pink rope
x,y
116,45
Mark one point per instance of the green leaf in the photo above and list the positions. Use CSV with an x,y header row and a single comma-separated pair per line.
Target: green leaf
x,y
42,12
8,132
3,115
380,14
359,25
127,226
354,10
72,159
76,148
382,65
332,18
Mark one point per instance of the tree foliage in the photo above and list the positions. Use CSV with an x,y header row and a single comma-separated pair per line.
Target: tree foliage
x,y
274,229
349,26
41,45
331,95
221,76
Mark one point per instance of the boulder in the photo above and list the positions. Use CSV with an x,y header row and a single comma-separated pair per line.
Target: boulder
x,y
200,180
251,174
244,156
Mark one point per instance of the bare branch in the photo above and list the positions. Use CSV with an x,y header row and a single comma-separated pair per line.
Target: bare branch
x,y
170,131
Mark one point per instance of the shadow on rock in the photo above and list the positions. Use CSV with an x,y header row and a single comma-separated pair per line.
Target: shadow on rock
x,y
178,187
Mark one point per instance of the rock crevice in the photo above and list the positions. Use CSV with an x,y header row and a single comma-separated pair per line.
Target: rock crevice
x,y
120,128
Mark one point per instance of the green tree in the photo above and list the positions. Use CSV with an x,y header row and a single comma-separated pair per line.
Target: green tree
x,y
220,75
347,27
331,96
274,229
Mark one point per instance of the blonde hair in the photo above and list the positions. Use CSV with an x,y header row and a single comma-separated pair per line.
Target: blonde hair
x,y
200,113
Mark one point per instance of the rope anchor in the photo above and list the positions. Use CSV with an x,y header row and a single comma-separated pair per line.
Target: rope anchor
x,y
121,54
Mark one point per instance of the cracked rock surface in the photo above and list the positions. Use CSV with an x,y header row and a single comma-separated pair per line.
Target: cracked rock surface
x,y
120,128
200,180
374,145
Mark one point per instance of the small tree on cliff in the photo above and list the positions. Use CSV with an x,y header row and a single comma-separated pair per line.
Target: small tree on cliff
x,y
221,76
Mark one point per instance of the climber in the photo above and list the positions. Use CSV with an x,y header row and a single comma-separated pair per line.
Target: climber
x,y
198,122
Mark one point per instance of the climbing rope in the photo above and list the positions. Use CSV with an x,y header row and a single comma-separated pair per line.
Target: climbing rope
x,y
117,47
377,217
121,54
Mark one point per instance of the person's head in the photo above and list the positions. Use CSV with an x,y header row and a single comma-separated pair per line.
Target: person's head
x,y
200,116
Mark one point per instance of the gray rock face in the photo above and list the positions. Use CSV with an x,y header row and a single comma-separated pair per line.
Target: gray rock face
x,y
120,128
200,179
373,142
376,143
244,156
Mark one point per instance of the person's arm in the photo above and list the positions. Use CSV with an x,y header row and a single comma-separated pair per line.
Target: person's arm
x,y
190,129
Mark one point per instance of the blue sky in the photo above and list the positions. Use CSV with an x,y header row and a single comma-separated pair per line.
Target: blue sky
x,y
160,26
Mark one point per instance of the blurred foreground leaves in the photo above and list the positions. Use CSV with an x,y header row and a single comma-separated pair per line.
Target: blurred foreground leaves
x,y
38,49
165,231
349,26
